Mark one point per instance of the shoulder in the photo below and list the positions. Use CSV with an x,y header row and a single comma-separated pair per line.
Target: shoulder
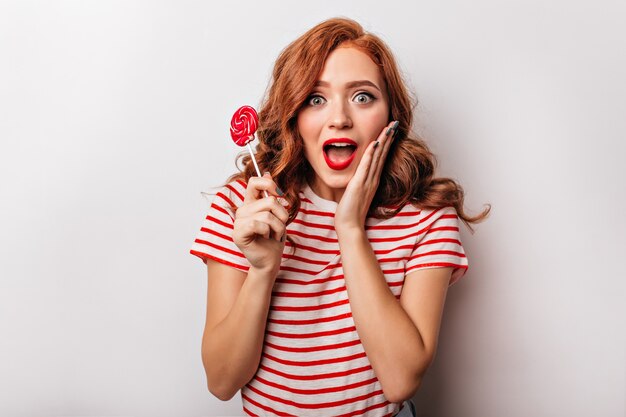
x,y
231,194
446,214
417,220
411,209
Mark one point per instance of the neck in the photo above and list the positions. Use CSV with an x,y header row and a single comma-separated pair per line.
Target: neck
x,y
326,192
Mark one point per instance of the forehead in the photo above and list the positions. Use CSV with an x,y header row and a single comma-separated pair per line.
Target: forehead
x,y
346,64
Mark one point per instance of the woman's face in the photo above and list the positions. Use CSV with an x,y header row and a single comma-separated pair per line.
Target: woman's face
x,y
349,106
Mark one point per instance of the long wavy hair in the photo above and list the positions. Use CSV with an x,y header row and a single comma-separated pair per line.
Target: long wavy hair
x,y
408,174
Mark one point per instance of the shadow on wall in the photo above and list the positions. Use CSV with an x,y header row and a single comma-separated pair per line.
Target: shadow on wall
x,y
444,377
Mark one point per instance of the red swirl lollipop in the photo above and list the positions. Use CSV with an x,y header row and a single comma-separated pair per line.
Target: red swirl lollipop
x,y
242,127
244,123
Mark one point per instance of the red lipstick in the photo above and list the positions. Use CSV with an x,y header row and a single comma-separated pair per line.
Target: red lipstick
x,y
342,164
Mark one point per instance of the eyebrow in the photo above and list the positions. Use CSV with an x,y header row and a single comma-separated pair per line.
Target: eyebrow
x,y
351,84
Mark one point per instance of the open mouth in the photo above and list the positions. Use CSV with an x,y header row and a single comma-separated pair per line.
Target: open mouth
x,y
339,153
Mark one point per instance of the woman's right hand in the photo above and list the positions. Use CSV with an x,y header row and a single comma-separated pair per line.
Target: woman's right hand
x,y
260,225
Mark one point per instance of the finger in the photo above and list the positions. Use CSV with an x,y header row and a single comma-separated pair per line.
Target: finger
x,y
260,228
391,136
365,166
371,154
247,229
275,191
256,186
380,155
386,133
277,227
269,204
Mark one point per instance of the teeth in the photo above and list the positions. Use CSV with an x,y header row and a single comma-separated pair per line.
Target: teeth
x,y
340,145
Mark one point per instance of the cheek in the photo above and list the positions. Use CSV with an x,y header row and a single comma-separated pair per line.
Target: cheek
x,y
306,133
309,129
308,125
375,124
383,116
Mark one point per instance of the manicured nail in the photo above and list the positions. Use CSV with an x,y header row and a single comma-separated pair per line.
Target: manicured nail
x,y
279,192
376,144
388,131
395,125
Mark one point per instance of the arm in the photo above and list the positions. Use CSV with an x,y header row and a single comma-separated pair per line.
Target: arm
x,y
238,302
399,338
237,308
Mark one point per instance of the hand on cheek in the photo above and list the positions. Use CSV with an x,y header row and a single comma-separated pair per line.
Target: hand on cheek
x,y
355,202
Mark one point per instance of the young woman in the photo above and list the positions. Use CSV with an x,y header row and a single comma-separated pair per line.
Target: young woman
x,y
325,298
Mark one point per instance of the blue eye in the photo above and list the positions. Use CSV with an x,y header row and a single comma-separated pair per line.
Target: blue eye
x,y
364,98
315,100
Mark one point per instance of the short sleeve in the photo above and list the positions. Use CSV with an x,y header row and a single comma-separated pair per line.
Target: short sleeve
x,y
215,238
439,243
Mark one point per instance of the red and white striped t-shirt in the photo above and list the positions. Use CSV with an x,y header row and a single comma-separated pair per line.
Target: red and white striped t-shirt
x,y
313,362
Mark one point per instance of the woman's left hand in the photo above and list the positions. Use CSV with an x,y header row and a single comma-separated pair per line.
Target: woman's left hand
x,y
355,202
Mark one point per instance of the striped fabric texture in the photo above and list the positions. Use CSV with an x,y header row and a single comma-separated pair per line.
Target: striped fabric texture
x,y
313,362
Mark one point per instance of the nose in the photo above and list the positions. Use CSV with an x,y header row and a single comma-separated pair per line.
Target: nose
x,y
340,116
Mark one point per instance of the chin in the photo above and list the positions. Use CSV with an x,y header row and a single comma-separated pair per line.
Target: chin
x,y
337,180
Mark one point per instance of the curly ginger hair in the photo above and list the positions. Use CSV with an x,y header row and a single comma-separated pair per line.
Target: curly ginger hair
x,y
408,174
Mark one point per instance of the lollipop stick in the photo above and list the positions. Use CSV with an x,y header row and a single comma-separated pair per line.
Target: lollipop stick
x,y
256,166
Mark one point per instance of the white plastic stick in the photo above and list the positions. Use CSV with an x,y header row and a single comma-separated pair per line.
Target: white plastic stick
x,y
258,171
255,165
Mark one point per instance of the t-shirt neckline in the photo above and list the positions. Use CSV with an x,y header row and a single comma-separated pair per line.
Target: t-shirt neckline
x,y
327,205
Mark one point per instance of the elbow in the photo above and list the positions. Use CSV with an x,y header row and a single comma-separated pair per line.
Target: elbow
x,y
220,384
403,387
223,393
399,393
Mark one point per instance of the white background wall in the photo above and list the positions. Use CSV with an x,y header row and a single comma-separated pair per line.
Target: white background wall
x,y
114,116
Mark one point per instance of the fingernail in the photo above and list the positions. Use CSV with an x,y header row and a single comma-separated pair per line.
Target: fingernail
x,y
279,192
266,173
395,125
388,131
376,144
